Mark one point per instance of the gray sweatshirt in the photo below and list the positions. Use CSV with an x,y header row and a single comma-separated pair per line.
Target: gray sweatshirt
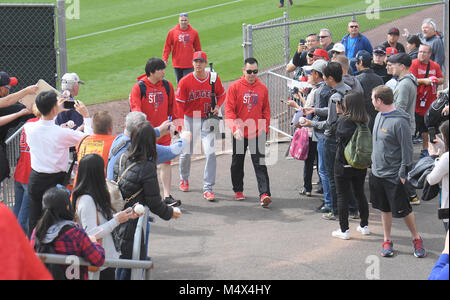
x,y
405,95
392,154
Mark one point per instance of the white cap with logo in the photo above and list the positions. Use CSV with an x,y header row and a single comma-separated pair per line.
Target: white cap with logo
x,y
69,79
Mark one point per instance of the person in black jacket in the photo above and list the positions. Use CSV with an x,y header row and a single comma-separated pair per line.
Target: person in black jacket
x,y
141,175
348,179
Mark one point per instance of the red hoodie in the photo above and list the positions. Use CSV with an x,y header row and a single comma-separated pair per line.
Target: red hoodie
x,y
156,104
247,107
182,44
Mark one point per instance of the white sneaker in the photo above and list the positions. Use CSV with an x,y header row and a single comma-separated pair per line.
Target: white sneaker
x,y
341,235
364,230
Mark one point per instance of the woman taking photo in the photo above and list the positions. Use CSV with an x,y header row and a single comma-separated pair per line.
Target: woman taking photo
x,y
92,205
140,183
348,179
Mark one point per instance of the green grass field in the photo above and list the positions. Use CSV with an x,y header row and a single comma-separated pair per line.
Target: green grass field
x,y
110,61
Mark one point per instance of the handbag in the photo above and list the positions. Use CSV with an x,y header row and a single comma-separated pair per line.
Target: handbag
x,y
117,200
300,144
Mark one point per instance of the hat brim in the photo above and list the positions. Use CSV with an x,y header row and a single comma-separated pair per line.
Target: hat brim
x,y
199,58
81,82
13,81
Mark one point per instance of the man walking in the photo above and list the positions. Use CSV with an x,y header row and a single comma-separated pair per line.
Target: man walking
x,y
247,113
194,102
182,41
154,96
392,157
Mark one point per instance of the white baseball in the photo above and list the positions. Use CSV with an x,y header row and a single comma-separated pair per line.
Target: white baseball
x,y
71,124
302,120
139,209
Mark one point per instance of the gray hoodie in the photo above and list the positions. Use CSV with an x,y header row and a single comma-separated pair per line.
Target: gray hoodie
x,y
405,95
392,154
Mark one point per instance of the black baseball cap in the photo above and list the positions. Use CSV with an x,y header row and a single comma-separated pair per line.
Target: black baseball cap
x,y
394,30
364,56
400,58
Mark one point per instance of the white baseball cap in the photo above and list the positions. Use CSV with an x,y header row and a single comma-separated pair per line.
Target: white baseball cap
x,y
338,47
69,79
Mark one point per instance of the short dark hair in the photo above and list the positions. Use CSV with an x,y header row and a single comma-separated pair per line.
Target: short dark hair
x,y
334,70
154,64
414,39
384,93
250,61
45,102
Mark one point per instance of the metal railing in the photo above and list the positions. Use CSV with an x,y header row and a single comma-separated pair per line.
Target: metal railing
x,y
140,268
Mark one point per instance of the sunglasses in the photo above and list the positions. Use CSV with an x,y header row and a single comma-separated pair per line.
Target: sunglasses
x,y
353,26
183,15
323,36
251,72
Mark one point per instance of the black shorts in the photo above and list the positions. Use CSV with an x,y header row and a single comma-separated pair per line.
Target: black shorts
x,y
420,124
389,197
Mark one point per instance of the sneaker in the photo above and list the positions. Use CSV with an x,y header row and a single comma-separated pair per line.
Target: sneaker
x,y
329,216
305,192
280,6
364,230
354,214
172,202
325,209
184,185
209,196
239,196
419,251
265,200
341,235
414,201
388,249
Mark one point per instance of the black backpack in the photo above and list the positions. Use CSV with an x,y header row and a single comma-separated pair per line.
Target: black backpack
x,y
4,163
434,117
143,88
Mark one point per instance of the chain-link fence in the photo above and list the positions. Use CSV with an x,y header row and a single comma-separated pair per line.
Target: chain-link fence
x,y
28,48
274,42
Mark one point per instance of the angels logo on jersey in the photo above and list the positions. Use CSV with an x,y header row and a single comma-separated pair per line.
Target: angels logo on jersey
x,y
184,38
250,99
156,98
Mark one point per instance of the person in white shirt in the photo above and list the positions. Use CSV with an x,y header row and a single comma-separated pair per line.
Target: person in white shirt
x,y
49,149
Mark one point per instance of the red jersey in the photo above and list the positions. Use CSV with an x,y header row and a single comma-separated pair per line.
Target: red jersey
x,y
247,108
194,95
23,168
182,44
426,94
156,104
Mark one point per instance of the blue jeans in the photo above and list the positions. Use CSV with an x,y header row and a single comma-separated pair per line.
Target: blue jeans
x,y
21,204
323,172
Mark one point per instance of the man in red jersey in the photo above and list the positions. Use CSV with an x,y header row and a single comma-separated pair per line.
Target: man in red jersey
x,y
429,76
247,113
194,103
182,41
154,96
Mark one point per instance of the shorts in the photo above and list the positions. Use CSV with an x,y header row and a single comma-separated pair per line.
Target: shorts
x,y
165,141
389,197
420,124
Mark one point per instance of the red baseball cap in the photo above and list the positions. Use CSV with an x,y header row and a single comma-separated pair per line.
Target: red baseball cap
x,y
391,51
321,53
5,79
200,55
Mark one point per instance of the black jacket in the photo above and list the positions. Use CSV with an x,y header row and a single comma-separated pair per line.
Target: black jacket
x,y
143,175
369,80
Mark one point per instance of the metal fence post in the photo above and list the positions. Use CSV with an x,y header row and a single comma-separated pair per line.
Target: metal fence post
x,y
62,47
446,31
250,40
244,40
287,51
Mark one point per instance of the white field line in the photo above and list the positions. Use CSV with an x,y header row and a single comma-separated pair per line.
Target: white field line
x,y
148,21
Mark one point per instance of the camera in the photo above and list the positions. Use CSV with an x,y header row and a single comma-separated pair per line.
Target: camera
x,y
443,213
69,104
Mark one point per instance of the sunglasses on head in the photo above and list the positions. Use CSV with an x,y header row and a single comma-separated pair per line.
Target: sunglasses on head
x,y
252,71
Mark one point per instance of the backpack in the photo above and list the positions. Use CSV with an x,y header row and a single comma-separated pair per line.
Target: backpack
x,y
358,151
300,144
434,117
143,88
4,163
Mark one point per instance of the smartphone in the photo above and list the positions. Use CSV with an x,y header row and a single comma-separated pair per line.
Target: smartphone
x,y
302,41
284,101
443,213
432,134
69,104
